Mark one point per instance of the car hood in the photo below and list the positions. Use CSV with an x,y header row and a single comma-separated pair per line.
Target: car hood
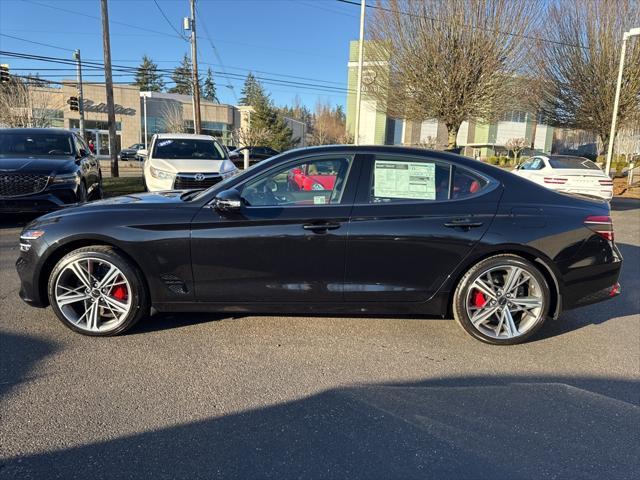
x,y
36,164
187,166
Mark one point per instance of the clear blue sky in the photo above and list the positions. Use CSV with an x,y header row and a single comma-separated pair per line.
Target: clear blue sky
x,y
287,38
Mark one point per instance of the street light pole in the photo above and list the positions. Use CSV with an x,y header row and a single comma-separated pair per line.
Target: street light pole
x,y
108,80
631,33
76,56
194,70
356,135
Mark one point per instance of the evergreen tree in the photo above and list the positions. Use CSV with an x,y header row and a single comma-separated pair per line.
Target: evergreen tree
x,y
252,91
181,76
147,76
209,88
265,116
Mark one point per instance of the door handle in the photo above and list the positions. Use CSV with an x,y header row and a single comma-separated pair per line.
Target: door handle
x,y
321,227
464,223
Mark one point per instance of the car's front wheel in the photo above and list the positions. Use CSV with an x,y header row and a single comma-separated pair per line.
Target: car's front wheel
x,y
96,291
502,300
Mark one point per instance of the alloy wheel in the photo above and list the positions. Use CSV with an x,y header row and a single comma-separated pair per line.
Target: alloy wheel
x,y
93,294
505,302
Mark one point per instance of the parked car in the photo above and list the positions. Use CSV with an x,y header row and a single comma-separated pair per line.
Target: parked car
x,y
43,169
185,161
256,154
398,231
131,153
567,174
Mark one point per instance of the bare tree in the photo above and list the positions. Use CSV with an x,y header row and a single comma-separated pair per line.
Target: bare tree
x,y
579,69
172,119
23,105
328,125
516,145
628,143
451,60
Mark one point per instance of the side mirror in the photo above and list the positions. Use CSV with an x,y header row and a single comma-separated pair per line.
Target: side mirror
x,y
234,155
228,201
143,152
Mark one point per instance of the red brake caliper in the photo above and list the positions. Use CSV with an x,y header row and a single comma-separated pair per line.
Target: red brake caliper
x,y
479,299
119,293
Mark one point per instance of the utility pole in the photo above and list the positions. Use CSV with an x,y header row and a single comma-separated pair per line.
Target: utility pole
x,y
108,80
194,71
76,56
356,135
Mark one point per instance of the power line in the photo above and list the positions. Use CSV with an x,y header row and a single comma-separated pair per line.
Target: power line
x,y
36,43
471,27
215,52
180,34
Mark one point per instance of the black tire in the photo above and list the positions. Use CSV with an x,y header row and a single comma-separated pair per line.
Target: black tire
x,y
460,312
139,296
82,192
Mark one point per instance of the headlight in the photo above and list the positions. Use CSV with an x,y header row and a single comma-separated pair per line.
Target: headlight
x,y
161,174
66,178
227,167
31,234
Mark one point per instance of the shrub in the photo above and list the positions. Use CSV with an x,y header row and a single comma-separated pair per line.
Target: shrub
x,y
492,160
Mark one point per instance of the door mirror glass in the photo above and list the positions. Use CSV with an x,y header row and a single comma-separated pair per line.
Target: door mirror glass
x,y
228,201
143,152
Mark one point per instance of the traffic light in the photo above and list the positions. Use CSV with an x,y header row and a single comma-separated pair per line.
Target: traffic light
x,y
73,104
4,74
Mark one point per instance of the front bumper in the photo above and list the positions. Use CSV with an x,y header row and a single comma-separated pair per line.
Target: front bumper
x,y
29,266
45,201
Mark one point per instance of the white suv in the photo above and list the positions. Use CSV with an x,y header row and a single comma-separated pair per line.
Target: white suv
x,y
182,161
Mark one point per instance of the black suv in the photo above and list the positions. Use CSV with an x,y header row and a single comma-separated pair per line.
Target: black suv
x,y
42,169
256,154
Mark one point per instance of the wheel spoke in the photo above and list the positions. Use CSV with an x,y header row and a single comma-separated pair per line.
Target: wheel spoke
x,y
510,325
526,303
513,275
483,315
81,274
115,304
110,277
72,297
92,318
485,288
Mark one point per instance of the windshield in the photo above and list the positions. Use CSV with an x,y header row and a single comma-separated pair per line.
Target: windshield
x,y
572,162
28,144
187,148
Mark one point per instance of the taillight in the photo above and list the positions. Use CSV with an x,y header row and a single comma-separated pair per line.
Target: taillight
x,y
555,180
601,224
606,183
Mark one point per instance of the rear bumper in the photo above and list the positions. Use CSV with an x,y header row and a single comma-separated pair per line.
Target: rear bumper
x,y
592,284
604,193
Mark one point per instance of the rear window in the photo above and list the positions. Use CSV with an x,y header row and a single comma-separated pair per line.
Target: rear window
x,y
572,162
183,148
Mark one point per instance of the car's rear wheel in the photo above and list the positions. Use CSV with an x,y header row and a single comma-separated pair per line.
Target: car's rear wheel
x,y
502,300
96,291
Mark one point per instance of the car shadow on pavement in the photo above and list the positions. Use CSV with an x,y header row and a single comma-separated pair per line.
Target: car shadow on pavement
x,y
470,427
18,355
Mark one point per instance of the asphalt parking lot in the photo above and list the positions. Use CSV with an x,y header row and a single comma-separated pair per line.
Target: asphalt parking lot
x,y
208,396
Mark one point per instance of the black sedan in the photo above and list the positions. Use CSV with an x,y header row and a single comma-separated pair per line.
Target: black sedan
x,y
341,229
44,169
131,153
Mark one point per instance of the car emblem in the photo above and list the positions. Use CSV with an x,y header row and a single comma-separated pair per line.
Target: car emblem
x,y
199,177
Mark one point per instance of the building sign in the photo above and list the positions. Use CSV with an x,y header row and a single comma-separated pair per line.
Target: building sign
x,y
91,106
369,81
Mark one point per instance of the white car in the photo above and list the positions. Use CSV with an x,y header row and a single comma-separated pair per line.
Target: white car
x,y
180,161
567,174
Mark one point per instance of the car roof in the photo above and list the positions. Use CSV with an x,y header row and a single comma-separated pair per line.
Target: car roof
x,y
55,131
184,136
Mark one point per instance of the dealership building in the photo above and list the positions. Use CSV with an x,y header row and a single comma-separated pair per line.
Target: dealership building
x,y
478,138
139,112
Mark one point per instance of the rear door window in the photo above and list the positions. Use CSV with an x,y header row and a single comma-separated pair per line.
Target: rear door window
x,y
412,179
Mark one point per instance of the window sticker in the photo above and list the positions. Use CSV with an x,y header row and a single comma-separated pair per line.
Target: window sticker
x,y
164,143
319,200
411,180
